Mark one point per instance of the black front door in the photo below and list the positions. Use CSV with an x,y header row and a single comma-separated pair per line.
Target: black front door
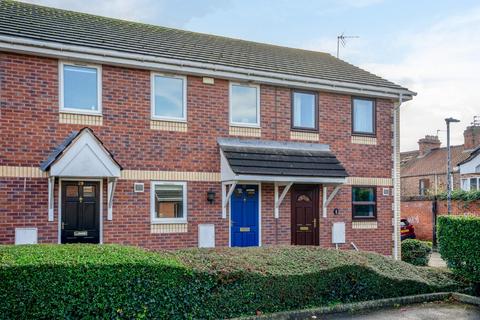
x,y
80,212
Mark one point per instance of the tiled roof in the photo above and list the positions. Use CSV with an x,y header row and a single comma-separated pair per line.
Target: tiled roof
x,y
72,28
434,162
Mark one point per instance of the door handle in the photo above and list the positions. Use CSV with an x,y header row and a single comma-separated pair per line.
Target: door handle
x,y
80,199
315,222
63,225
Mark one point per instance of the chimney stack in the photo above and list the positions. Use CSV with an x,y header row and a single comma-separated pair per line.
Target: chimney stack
x,y
471,136
428,143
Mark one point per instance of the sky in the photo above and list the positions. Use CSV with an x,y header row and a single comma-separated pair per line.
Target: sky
x,y
430,46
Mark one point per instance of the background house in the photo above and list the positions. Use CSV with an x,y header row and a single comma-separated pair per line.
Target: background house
x,y
424,171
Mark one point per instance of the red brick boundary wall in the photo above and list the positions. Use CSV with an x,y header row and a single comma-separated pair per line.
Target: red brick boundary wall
x,y
420,214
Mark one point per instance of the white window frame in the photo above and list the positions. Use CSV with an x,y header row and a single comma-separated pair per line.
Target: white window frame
x,y
152,97
465,184
61,95
156,220
243,124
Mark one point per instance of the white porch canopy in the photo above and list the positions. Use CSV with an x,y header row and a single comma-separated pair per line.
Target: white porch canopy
x,y
281,163
81,155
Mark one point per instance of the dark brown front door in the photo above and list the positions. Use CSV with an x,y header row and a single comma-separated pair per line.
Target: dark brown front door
x,y
80,212
305,215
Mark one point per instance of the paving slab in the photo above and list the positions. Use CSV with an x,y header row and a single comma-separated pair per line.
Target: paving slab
x,y
436,260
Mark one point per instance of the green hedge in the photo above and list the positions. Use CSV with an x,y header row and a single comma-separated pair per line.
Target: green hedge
x,y
109,281
459,244
461,195
416,252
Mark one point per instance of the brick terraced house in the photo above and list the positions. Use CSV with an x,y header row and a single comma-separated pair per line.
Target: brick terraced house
x,y
121,132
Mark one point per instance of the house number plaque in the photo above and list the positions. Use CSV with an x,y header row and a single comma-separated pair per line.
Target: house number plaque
x,y
80,233
245,229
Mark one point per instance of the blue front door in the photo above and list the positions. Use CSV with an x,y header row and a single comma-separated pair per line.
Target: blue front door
x,y
244,216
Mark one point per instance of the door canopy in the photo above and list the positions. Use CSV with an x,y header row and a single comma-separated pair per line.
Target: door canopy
x,y
81,154
275,161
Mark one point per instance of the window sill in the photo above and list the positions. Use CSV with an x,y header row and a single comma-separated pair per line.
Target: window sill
x,y
77,118
168,125
237,130
169,221
81,112
364,219
364,134
245,125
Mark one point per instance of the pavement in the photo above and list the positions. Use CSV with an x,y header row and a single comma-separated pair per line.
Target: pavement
x,y
424,311
436,260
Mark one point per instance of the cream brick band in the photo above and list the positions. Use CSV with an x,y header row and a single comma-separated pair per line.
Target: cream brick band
x,y
170,175
364,225
367,181
168,125
34,172
245,132
89,120
300,135
169,228
364,140
21,172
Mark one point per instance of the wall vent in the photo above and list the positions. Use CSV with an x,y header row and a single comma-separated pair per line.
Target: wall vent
x,y
138,187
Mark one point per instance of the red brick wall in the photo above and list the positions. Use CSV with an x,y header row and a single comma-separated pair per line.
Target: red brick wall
x,y
419,213
410,185
31,129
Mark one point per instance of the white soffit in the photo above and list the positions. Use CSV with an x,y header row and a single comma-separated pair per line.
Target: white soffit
x,y
85,157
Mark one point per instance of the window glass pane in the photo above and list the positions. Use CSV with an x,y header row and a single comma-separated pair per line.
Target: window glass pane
x,y
364,210
363,116
80,88
363,194
303,110
89,191
168,97
465,184
474,184
168,201
244,104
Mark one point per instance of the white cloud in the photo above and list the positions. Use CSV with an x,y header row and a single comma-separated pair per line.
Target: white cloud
x,y
443,67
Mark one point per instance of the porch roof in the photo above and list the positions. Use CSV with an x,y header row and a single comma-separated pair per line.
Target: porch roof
x,y
81,154
276,161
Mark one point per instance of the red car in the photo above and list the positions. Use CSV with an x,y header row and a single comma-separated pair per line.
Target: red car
x,y
407,231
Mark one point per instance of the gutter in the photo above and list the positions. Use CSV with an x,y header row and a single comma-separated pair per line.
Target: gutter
x,y
150,62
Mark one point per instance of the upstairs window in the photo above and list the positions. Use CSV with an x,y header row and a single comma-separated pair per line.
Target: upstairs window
x,y
244,105
363,116
169,202
304,110
364,205
169,97
423,186
80,88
